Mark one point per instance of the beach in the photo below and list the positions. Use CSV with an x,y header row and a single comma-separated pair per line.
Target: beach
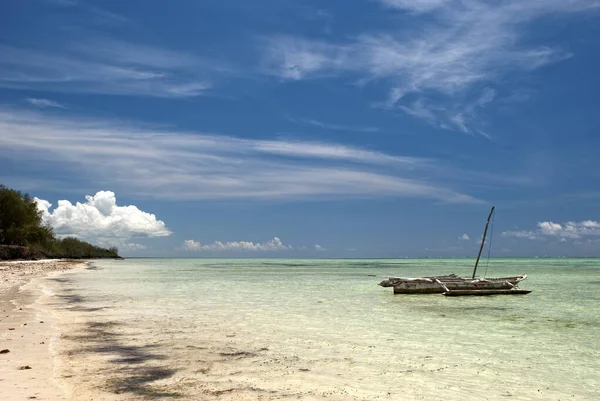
x,y
27,333
202,329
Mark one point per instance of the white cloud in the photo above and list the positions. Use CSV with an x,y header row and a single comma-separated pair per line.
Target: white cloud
x,y
522,234
101,220
108,67
550,228
191,245
459,122
457,46
330,151
185,165
335,127
415,5
320,248
129,246
44,103
458,117
98,14
419,109
296,58
274,244
465,237
64,3
564,231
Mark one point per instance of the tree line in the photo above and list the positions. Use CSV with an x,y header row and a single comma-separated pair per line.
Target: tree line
x,y
23,235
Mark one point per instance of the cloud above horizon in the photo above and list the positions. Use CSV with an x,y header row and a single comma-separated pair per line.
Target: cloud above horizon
x,y
562,231
274,244
187,165
436,72
101,221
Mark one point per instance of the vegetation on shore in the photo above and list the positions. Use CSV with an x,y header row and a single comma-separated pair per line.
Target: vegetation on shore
x,y
23,235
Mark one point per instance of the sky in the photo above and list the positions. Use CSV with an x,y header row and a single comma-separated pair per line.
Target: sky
x,y
306,128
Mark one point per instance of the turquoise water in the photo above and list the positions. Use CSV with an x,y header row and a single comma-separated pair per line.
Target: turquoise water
x,y
322,329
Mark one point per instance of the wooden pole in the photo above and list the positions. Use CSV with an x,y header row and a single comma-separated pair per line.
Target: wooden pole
x,y
487,223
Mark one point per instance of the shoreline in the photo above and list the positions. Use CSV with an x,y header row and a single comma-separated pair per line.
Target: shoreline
x,y
28,333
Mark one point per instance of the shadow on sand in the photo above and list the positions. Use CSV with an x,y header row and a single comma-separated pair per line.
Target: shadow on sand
x,y
132,369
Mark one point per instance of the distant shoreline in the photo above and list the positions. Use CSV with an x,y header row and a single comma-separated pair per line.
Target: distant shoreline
x,y
362,258
18,252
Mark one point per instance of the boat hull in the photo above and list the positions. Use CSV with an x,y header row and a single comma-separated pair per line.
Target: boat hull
x,y
441,284
514,291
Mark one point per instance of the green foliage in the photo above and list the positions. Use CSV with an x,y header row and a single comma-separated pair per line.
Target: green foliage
x,y
21,225
74,248
20,220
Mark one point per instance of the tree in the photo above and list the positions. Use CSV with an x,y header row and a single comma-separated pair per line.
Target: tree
x,y
21,224
20,219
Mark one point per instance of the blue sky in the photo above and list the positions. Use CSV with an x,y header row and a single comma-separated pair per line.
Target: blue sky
x,y
375,128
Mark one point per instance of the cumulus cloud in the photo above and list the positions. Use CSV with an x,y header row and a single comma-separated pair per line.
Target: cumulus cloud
x,y
465,237
274,244
320,248
563,231
101,220
131,247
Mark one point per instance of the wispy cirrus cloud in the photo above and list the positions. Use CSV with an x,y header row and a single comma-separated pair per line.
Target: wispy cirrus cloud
x,y
295,58
108,67
415,5
44,103
458,46
333,127
187,165
99,15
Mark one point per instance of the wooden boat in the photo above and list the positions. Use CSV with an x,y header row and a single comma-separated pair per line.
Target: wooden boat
x,y
453,285
441,284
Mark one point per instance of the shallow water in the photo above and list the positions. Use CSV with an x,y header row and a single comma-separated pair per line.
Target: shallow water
x,y
322,329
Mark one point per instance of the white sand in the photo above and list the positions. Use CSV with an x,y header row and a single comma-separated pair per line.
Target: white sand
x,y
27,370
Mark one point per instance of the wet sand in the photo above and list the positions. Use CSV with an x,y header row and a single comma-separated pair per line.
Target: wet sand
x,y
28,334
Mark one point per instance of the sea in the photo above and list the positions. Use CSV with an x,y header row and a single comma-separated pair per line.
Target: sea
x,y
282,329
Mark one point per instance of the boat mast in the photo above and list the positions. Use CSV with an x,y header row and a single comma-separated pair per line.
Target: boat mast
x,y
487,223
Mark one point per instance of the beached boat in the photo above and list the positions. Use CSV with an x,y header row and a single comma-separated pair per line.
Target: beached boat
x,y
453,285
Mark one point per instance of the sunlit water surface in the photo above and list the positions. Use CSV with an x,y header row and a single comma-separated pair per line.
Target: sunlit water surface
x,y
322,329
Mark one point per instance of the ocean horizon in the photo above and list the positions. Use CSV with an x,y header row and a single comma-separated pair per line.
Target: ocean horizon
x,y
315,329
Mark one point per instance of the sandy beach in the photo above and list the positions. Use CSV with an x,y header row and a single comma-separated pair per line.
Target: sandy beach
x,y
26,333
236,330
